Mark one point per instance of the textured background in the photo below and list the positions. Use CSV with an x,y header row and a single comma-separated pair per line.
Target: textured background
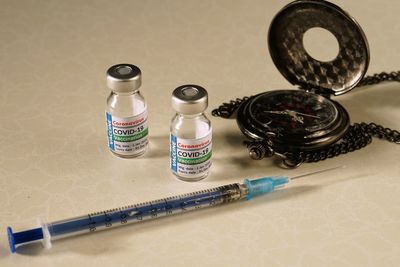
x,y
54,161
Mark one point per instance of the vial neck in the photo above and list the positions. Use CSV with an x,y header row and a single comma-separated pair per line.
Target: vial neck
x,y
189,116
126,93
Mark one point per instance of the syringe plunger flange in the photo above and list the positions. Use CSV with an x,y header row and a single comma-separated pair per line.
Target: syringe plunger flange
x,y
23,237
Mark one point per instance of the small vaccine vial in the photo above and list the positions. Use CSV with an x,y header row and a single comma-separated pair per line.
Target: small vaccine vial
x,y
126,112
191,134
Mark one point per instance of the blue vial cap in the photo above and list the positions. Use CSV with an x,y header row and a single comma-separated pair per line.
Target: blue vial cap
x,y
264,185
23,237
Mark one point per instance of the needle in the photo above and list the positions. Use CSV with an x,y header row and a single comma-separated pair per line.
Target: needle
x,y
316,172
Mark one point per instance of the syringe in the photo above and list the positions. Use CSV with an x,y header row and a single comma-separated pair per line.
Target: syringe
x,y
108,219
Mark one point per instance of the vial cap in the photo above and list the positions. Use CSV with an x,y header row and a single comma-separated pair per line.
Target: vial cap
x,y
189,99
124,78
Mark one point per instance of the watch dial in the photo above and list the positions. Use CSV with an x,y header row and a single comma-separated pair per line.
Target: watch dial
x,y
293,112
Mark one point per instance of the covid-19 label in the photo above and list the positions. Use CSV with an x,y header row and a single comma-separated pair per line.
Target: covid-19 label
x,y
127,136
190,157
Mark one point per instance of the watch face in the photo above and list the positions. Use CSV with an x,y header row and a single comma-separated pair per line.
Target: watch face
x,y
292,112
292,120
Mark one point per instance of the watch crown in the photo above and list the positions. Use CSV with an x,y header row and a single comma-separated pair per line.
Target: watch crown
x,y
258,150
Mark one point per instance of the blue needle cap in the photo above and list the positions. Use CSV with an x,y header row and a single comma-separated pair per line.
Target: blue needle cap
x,y
264,185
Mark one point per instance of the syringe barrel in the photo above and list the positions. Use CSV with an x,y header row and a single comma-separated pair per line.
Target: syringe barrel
x,y
144,211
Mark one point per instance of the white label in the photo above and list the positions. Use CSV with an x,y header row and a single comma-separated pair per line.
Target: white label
x,y
127,136
191,157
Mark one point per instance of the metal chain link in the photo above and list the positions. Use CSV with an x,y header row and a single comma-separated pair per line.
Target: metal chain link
x,y
358,136
226,110
380,77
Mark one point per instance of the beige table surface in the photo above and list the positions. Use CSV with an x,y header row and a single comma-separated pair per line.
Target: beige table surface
x,y
54,161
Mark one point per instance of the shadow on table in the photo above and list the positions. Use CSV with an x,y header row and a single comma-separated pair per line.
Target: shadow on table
x,y
367,103
158,147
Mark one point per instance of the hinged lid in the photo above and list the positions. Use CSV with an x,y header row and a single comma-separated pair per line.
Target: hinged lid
x,y
286,47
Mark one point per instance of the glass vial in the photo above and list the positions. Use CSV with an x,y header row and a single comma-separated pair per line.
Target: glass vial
x,y
126,112
191,134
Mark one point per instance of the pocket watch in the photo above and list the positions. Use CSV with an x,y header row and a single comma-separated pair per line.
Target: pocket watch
x,y
305,124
